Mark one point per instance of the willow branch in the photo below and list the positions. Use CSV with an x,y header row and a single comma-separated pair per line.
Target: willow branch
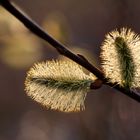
x,y
37,30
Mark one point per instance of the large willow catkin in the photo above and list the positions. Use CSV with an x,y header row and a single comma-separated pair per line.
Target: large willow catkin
x,y
120,57
59,85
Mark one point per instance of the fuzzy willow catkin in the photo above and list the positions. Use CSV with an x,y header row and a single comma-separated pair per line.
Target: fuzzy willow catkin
x,y
120,56
59,85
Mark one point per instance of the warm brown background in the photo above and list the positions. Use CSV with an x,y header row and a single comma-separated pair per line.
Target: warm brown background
x,y
109,115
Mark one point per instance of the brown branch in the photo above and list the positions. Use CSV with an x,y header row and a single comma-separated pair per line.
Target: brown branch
x,y
36,29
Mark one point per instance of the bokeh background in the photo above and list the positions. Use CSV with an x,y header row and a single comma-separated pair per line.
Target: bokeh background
x,y
81,26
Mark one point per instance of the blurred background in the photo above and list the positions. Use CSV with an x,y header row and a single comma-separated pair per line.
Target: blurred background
x,y
81,26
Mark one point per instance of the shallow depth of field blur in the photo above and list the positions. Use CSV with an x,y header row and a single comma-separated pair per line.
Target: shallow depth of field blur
x,y
81,26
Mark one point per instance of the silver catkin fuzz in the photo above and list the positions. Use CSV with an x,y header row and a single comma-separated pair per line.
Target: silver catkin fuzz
x,y
120,56
59,85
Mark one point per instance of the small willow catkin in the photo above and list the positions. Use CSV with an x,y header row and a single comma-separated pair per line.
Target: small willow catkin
x,y
59,85
120,58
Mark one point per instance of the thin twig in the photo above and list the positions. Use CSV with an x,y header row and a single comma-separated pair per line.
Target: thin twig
x,y
36,29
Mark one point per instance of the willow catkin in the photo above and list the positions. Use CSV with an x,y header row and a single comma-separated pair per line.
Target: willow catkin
x,y
120,56
59,85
